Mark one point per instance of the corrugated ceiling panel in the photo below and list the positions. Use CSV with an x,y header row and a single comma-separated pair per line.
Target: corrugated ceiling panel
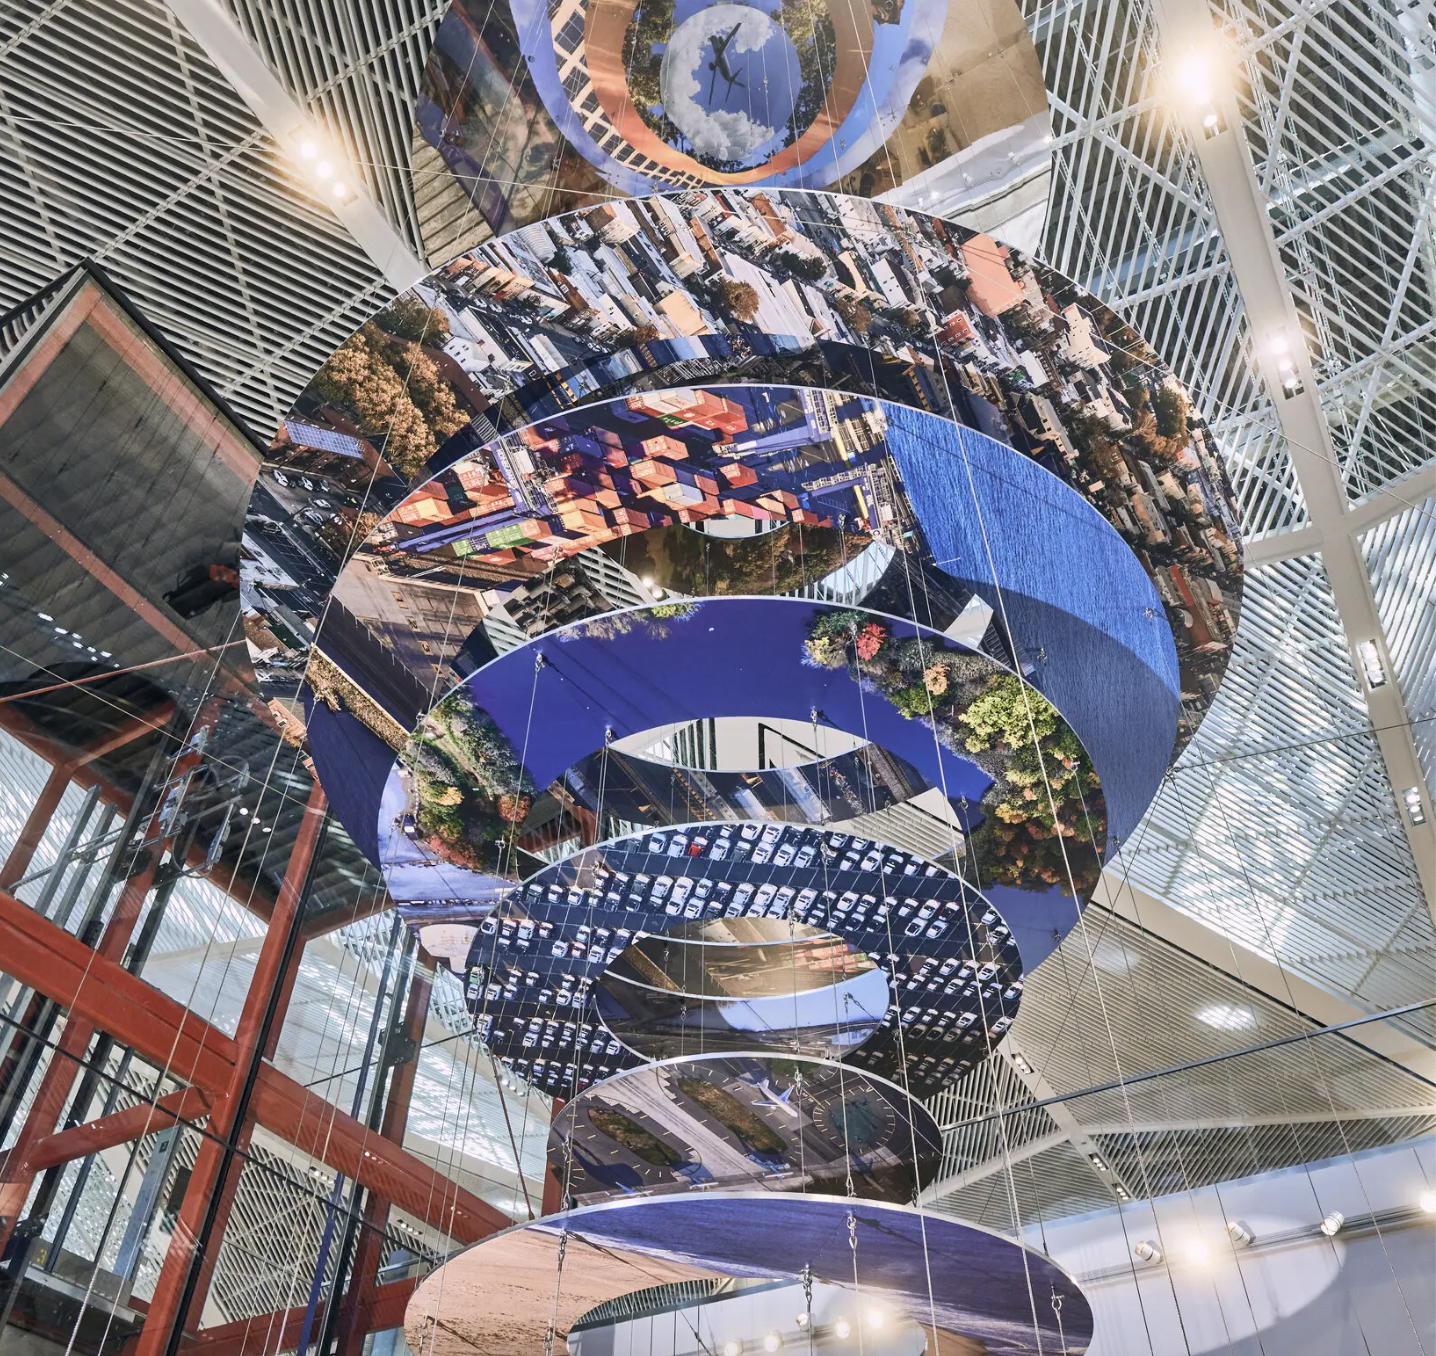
x,y
1279,825
1401,560
124,144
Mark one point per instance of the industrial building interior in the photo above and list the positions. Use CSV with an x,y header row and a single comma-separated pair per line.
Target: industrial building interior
x,y
255,1091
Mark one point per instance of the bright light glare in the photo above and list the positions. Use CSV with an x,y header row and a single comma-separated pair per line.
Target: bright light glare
x,y
324,169
1278,344
1227,1018
1197,1253
339,190
875,1318
308,150
1428,1202
1196,79
732,1349
841,1327
772,1342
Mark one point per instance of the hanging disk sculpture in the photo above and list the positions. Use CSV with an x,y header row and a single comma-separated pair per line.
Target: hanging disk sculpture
x,y
767,611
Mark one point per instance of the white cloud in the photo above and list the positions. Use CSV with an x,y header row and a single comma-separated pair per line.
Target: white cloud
x,y
723,135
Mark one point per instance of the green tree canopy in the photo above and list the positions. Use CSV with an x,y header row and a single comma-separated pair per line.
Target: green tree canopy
x,y
1006,714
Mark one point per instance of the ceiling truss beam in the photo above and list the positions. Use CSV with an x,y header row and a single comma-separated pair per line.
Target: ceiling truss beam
x,y
1185,26
286,120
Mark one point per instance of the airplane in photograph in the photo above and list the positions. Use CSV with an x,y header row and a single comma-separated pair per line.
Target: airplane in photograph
x,y
719,65
778,1101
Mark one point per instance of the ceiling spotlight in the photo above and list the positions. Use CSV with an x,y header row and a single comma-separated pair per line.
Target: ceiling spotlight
x,y
802,1320
323,169
1416,813
875,1318
772,1342
339,189
1196,79
732,1349
1020,1063
1240,1235
308,150
1278,346
1371,665
842,1328
1427,1202
1197,1253
1331,1225
1146,1251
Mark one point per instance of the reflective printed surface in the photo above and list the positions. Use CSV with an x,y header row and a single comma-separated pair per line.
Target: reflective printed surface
x,y
744,1120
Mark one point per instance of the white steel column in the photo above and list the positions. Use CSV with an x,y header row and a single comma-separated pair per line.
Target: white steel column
x,y
1187,32
280,112
1302,541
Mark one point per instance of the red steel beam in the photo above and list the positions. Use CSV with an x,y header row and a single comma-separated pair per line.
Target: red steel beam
x,y
18,727
125,592
280,1331
215,1167
91,563
363,1276
38,820
132,898
58,1081
119,587
152,721
61,775
319,1128
147,1118
244,892
95,990
94,307
54,1089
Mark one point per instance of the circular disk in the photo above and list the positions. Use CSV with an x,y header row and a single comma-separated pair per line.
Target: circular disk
x,y
742,984
499,1297
744,1121
950,958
